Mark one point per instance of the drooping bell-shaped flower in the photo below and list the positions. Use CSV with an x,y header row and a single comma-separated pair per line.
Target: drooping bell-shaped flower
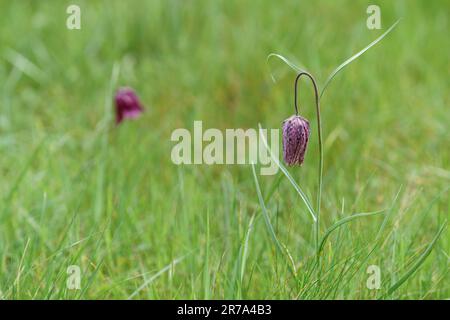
x,y
295,139
128,105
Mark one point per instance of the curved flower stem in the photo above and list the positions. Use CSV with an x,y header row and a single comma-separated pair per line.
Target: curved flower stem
x,y
319,135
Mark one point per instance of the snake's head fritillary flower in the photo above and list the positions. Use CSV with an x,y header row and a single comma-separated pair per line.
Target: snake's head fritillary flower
x,y
295,139
128,105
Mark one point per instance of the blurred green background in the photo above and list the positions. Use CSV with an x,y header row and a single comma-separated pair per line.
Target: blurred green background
x,y
77,190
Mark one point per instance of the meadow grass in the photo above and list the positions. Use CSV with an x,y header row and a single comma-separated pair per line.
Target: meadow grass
x,y
76,190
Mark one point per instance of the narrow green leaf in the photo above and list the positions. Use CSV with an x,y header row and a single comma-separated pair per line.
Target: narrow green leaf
x,y
155,276
344,221
288,175
270,229
289,63
273,188
12,191
354,57
102,162
418,262
265,214
24,170
244,249
206,276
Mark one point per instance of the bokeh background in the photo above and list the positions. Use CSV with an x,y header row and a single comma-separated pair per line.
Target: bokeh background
x,y
78,190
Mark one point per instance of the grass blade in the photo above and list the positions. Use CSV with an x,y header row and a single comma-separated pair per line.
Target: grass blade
x,y
271,231
206,279
344,221
265,214
155,276
356,56
289,63
290,178
419,261
241,262
23,64
9,197
99,199
273,188
244,253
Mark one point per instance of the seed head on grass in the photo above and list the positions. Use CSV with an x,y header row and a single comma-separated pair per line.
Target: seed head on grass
x,y
128,105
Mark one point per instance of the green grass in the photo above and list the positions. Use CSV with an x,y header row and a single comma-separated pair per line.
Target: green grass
x,y
76,190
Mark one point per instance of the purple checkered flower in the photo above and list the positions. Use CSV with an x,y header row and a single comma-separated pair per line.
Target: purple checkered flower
x,y
295,139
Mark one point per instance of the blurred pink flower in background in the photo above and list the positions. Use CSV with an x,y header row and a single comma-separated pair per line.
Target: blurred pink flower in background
x,y
128,105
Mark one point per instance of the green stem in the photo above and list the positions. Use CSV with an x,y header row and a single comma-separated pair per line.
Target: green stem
x,y
319,135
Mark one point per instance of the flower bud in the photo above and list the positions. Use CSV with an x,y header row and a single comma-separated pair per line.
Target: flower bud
x,y
295,139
